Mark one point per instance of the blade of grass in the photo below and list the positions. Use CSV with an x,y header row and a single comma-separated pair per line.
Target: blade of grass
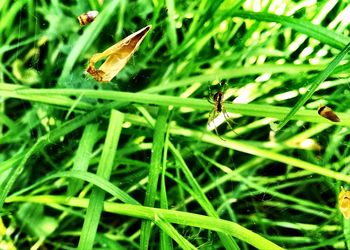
x,y
220,73
318,32
143,212
7,90
6,165
318,80
171,27
114,191
43,141
264,153
165,240
6,22
233,73
5,120
88,177
82,158
170,230
155,168
198,104
307,206
121,18
104,170
205,9
346,231
271,191
234,175
202,199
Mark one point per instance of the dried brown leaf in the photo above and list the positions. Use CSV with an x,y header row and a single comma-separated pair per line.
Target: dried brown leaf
x,y
117,56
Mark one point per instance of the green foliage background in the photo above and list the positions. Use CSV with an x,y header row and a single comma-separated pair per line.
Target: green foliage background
x,y
133,163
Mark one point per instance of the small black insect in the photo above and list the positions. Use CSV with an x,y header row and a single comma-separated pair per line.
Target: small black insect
x,y
218,101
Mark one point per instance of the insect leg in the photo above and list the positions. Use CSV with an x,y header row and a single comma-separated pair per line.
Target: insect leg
x,y
228,120
213,114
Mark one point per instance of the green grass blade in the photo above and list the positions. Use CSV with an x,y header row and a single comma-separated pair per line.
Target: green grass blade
x,y
104,170
198,104
346,231
171,216
82,158
155,168
317,81
165,240
318,32
88,177
46,140
7,19
264,153
174,234
171,24
227,241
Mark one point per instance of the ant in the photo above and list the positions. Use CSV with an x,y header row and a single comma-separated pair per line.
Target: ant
x,y
218,101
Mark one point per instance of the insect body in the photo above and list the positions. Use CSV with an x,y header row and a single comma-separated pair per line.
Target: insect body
x,y
328,113
344,202
87,17
218,101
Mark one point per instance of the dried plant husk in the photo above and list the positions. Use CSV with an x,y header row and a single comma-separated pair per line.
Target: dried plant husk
x,y
344,202
328,113
88,17
117,56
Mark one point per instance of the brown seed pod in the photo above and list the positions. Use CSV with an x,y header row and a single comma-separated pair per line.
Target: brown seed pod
x,y
87,17
328,113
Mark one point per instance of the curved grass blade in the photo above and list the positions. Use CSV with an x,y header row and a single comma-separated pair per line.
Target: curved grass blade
x,y
104,170
171,216
318,80
317,32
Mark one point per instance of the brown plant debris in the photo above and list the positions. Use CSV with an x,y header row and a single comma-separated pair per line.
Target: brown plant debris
x,y
116,56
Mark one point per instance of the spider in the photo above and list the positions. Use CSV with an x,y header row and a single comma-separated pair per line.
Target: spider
x,y
218,101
